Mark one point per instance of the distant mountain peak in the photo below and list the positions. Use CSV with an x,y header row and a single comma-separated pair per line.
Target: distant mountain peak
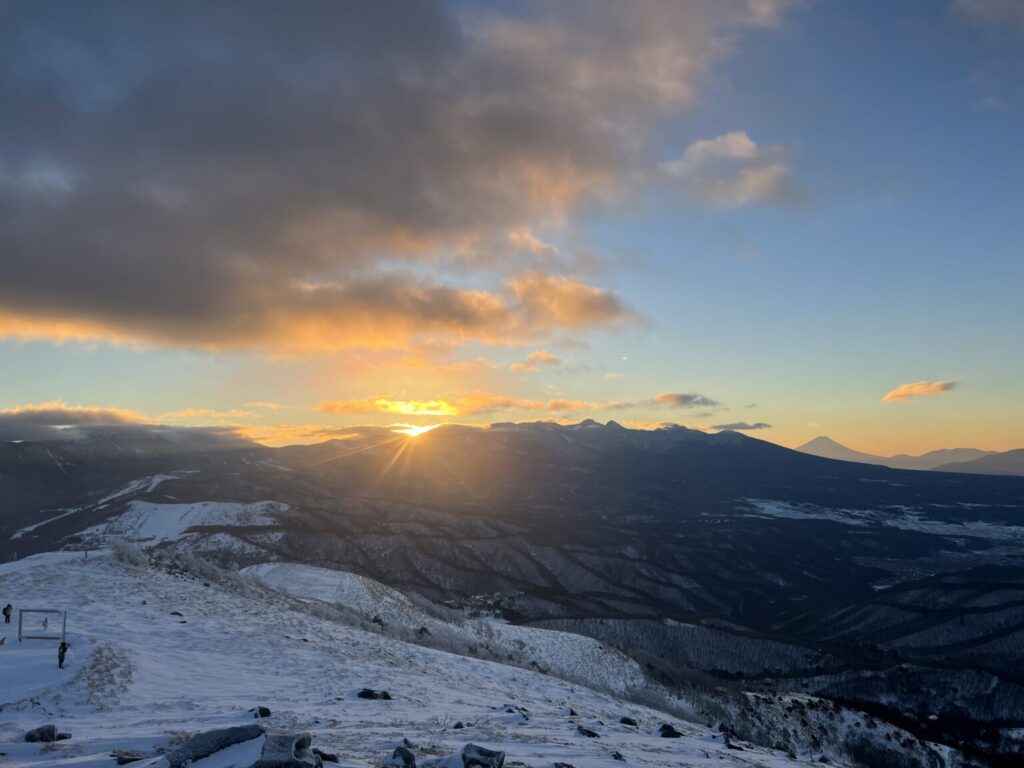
x,y
820,442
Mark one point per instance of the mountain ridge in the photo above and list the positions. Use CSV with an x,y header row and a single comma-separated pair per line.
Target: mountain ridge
x,y
828,448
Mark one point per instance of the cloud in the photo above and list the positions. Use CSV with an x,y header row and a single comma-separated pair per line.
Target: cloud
x,y
917,389
524,240
467,404
996,13
560,302
265,405
691,400
742,426
244,178
731,171
536,360
379,311
57,420
388,405
192,414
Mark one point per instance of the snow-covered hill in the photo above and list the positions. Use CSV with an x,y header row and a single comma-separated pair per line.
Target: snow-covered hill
x,y
563,654
155,523
156,655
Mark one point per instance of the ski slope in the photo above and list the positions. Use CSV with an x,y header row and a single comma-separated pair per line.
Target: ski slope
x,y
139,676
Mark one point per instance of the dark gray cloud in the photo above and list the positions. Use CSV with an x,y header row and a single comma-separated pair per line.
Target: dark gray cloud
x,y
59,421
261,173
742,426
684,400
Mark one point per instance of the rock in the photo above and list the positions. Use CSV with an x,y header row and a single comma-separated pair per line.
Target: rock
x,y
369,693
668,732
403,757
628,721
259,712
586,732
46,733
63,736
474,756
288,750
177,613
205,744
564,765
329,757
458,725
618,756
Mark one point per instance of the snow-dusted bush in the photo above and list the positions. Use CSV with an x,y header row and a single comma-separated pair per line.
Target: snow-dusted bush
x,y
128,553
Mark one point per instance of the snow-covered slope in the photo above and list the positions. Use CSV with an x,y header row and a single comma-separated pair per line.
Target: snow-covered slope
x,y
154,523
563,654
140,675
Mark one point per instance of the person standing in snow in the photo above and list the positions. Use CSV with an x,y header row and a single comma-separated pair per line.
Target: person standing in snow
x,y
8,610
46,624
62,651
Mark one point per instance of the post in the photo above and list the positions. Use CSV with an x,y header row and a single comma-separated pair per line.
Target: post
x,y
21,621
64,627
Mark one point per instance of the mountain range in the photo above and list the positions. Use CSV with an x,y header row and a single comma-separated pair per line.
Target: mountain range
x,y
717,562
970,460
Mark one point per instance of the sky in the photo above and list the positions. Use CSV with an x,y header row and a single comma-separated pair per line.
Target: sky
x,y
787,218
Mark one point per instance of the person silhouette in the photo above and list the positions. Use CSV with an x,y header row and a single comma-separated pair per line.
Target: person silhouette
x,y
62,651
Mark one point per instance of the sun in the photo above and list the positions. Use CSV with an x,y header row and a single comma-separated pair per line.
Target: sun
x,y
413,431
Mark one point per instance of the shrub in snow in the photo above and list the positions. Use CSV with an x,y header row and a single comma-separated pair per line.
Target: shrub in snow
x,y
128,553
369,693
44,733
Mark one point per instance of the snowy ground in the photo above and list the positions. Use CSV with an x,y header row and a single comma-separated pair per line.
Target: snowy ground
x,y
139,677
564,654
153,523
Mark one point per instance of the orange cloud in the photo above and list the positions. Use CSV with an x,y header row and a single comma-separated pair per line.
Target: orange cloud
x,y
560,302
525,240
387,405
906,392
535,360
189,414
463,405
386,311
